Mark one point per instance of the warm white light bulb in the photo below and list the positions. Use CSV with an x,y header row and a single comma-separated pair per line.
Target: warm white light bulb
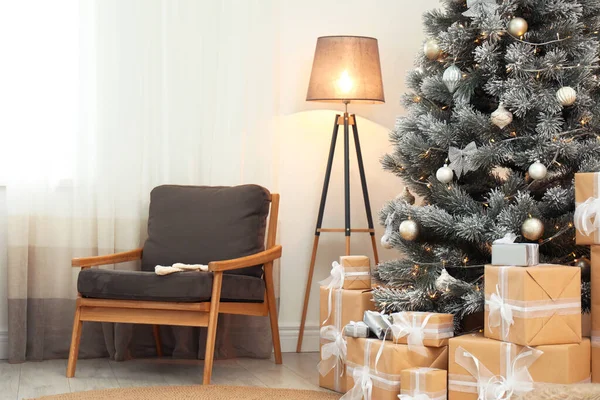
x,y
344,83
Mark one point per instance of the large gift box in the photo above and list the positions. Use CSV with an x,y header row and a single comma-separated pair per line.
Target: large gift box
x,y
431,382
595,287
338,307
489,369
383,375
357,272
418,329
587,194
533,306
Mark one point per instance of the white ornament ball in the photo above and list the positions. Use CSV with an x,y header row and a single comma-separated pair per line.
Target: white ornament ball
x,y
532,229
566,96
537,170
445,174
432,49
501,117
409,230
517,26
385,241
452,77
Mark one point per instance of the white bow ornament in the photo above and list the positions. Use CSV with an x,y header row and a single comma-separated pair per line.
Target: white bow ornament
x,y
587,216
363,385
413,330
500,313
506,239
333,352
460,161
334,281
476,7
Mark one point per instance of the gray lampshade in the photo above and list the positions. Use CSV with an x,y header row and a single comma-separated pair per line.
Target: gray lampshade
x,y
346,68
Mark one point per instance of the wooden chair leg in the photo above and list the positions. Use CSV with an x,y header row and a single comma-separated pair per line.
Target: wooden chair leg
x,y
211,335
75,339
157,342
271,303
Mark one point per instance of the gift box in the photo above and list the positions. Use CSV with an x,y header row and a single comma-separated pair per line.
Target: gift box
x,y
506,252
357,272
379,324
595,313
338,307
357,329
431,382
533,306
419,329
479,367
384,376
587,203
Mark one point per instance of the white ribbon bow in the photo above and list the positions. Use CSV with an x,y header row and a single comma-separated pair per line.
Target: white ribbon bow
x,y
333,352
416,396
516,379
500,313
506,239
363,385
476,7
414,331
460,159
334,281
584,214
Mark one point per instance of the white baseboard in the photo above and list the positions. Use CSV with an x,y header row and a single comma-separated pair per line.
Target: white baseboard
x,y
289,338
3,345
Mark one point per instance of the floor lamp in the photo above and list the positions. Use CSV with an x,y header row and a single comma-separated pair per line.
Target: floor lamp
x,y
346,69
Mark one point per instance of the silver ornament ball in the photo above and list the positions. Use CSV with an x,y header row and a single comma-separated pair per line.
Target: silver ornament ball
x,y
537,170
432,49
501,117
445,174
452,77
409,230
517,26
566,96
532,229
385,242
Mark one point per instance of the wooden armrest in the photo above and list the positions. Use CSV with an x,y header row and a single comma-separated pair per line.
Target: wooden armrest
x,y
125,256
248,261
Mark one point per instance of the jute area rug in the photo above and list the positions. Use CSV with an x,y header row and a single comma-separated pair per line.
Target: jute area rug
x,y
196,393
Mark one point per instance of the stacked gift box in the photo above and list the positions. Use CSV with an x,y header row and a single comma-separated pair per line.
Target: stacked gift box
x,y
532,329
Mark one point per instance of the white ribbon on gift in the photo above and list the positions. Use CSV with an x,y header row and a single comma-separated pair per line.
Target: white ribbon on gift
x,y
595,339
334,351
587,217
418,384
506,239
514,377
412,329
500,313
354,326
416,396
334,281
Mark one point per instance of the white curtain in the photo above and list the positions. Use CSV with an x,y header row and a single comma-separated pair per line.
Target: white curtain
x,y
102,101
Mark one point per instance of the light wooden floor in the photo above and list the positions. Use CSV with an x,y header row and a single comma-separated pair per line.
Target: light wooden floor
x,y
34,379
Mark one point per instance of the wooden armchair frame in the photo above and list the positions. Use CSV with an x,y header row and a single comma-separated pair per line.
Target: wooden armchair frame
x,y
204,314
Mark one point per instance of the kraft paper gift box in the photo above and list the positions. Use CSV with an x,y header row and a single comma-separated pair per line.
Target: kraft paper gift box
x,y
587,204
533,306
384,376
357,272
418,329
479,367
431,382
595,288
506,252
346,306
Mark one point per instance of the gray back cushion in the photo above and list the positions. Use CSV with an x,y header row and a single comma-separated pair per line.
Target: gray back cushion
x,y
200,224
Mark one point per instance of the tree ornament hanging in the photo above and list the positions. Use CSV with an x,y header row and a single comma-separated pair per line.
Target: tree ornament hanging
x,y
409,230
532,229
517,26
537,171
585,265
566,96
501,117
406,196
432,49
452,77
444,281
460,159
445,174
385,239
480,7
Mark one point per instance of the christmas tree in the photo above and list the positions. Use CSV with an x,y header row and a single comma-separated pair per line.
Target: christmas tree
x,y
504,108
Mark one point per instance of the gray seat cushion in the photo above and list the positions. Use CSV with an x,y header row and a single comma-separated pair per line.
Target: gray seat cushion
x,y
181,286
200,224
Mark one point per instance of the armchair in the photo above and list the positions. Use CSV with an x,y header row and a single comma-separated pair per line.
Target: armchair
x,y
224,227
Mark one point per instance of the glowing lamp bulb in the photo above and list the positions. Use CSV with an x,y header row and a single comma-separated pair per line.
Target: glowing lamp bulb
x,y
344,84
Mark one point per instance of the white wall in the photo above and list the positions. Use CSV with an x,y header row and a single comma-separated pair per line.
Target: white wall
x,y
306,132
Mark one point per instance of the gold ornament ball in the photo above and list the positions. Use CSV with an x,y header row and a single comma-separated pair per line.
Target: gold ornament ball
x,y
585,265
432,49
409,230
532,229
517,26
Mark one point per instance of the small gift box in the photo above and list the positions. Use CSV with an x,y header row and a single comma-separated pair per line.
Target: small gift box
x,y
587,206
595,312
357,330
482,368
506,252
423,384
533,306
379,324
420,329
357,272
378,364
